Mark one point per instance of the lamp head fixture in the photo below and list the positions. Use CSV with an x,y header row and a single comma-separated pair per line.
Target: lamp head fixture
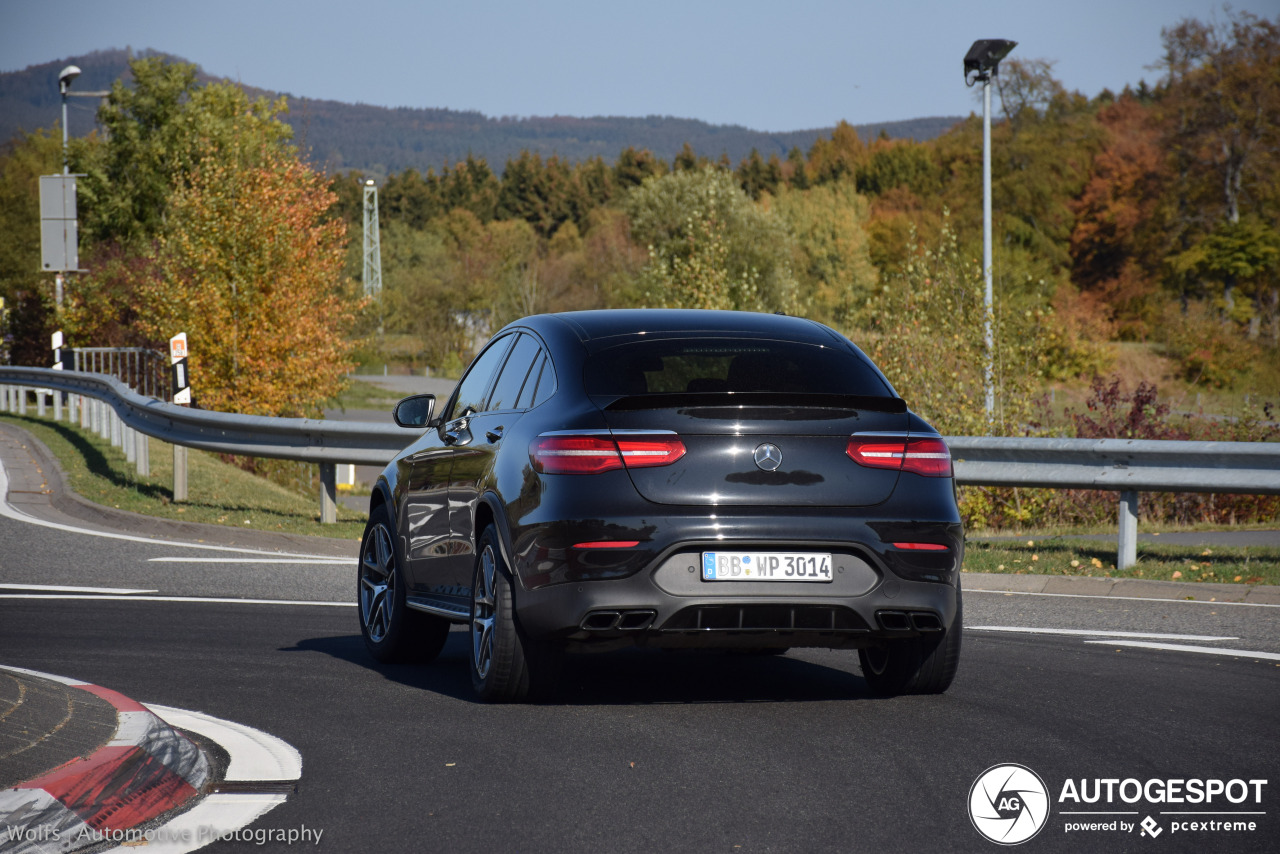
x,y
65,76
982,62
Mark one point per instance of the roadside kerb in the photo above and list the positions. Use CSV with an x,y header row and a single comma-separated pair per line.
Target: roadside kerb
x,y
146,769
1133,588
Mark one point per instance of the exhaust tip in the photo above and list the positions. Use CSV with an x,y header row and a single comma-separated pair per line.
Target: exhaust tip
x,y
894,621
600,621
923,622
634,621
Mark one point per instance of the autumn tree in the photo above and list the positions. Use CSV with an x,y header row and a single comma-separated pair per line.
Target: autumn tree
x,y
249,265
1115,253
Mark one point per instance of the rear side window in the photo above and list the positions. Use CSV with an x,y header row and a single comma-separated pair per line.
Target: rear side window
x,y
531,384
515,373
471,390
710,365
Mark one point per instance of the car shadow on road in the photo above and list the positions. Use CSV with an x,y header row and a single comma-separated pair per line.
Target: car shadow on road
x,y
635,676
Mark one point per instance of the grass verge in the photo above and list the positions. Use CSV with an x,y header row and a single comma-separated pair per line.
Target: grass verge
x,y
1156,562
218,493
360,394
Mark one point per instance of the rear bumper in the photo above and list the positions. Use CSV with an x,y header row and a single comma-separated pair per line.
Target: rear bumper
x,y
668,605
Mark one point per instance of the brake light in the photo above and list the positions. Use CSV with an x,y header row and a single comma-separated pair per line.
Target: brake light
x,y
592,453
922,455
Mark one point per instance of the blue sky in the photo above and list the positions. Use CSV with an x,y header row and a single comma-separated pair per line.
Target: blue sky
x,y
775,66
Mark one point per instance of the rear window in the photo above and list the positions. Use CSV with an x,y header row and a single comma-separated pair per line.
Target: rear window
x,y
708,366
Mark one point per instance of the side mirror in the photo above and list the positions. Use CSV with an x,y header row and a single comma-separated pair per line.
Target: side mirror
x,y
415,411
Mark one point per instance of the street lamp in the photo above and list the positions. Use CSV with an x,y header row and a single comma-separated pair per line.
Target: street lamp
x,y
981,63
65,76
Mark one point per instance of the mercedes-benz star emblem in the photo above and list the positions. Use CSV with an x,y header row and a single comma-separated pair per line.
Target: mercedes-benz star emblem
x,y
768,457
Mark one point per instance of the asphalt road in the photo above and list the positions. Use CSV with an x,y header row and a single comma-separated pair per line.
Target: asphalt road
x,y
656,752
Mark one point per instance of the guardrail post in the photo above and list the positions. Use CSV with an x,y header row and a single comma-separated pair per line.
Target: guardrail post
x,y
328,494
116,424
1128,552
73,401
40,402
57,405
22,400
130,446
179,473
142,453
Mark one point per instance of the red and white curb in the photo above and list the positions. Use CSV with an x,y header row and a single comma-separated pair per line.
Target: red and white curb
x,y
147,769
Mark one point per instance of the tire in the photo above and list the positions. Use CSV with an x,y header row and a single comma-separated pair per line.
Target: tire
x,y
392,632
506,665
923,665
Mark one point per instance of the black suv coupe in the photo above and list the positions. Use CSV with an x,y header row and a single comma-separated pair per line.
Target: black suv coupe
x,y
666,478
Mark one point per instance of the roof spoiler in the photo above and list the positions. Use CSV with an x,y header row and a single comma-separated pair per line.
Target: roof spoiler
x,y
685,400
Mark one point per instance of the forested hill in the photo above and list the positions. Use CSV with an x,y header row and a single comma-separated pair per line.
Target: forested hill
x,y
379,140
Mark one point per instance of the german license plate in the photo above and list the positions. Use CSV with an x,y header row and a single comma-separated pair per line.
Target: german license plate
x,y
765,566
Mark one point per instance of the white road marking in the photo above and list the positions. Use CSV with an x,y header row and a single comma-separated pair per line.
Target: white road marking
x,y
59,588
1119,598
1203,650
343,561
201,599
1092,634
9,511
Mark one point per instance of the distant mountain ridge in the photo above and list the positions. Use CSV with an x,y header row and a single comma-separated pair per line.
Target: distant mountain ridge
x,y
377,141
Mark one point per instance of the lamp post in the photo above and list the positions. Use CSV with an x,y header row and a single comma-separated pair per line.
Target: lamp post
x,y
65,76
981,63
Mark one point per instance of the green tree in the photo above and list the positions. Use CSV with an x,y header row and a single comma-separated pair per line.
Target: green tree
x,y
23,288
1221,94
833,262
926,333
633,167
157,133
701,227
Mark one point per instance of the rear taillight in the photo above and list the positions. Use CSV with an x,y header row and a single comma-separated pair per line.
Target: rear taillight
x,y
922,455
595,453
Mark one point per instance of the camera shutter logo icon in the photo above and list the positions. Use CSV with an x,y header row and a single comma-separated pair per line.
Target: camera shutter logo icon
x,y
1008,804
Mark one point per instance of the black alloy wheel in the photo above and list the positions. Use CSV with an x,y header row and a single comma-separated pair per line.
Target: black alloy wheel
x,y
506,666
392,632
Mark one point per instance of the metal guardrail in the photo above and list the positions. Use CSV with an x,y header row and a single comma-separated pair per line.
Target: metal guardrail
x,y
307,439
1119,465
1127,466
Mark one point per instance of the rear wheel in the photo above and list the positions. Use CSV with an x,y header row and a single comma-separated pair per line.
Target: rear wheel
x,y
506,665
923,665
392,632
